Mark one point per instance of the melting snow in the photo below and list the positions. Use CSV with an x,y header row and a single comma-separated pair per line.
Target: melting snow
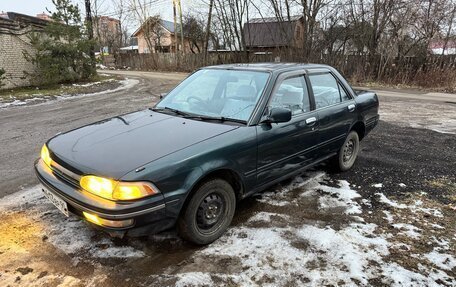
x,y
71,235
408,230
310,252
443,261
124,84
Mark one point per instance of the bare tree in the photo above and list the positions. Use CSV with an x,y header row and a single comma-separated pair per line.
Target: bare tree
x,y
231,16
193,28
140,10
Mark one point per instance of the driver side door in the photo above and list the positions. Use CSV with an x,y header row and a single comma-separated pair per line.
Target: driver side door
x,y
286,147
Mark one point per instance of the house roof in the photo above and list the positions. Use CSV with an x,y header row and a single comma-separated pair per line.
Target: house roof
x,y
17,21
27,20
167,25
269,32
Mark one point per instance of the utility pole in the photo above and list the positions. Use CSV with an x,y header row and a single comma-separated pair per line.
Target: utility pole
x,y
181,25
175,27
89,24
208,31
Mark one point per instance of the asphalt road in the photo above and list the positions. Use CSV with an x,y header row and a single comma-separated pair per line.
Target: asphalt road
x,y
25,128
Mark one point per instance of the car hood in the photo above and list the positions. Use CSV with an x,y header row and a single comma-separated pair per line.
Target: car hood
x,y
118,145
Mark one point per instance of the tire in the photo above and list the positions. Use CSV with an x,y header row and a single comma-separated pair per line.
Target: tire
x,y
208,213
348,152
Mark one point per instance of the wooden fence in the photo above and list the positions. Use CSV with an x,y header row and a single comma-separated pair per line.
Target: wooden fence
x,y
432,71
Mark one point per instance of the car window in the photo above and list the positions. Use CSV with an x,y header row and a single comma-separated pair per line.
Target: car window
x,y
327,90
218,93
292,93
243,87
202,87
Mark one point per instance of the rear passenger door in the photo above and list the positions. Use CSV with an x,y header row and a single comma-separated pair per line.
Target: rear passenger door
x,y
335,108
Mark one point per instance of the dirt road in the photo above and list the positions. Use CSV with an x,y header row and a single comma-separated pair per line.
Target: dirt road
x,y
389,221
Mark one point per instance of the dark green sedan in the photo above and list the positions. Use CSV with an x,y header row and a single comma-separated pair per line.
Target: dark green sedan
x,y
222,134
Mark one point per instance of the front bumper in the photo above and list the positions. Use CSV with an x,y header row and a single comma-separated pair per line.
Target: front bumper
x,y
149,214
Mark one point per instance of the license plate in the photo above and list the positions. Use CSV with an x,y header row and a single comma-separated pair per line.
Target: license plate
x,y
57,201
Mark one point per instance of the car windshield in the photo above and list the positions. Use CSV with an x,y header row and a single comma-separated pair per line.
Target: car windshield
x,y
222,94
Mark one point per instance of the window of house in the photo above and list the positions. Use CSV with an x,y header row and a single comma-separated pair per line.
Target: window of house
x,y
327,91
292,93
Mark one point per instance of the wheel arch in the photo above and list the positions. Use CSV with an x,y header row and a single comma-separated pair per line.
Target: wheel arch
x,y
231,176
360,129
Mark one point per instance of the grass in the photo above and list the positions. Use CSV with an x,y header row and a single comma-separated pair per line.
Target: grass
x,y
385,85
24,93
445,184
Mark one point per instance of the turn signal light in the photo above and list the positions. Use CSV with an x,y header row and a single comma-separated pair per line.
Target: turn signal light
x,y
95,219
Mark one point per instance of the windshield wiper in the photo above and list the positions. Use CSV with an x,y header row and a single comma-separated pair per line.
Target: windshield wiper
x,y
177,112
220,119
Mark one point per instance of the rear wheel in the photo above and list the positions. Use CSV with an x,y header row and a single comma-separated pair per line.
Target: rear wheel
x,y
346,157
208,213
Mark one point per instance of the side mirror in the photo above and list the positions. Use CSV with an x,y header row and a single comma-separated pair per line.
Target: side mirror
x,y
162,95
278,115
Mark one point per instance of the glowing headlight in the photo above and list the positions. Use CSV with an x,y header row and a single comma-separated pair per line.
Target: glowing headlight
x,y
45,156
116,190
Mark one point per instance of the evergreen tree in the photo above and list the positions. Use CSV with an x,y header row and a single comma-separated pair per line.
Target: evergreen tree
x,y
62,50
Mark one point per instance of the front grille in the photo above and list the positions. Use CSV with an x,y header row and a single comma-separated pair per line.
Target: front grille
x,y
65,175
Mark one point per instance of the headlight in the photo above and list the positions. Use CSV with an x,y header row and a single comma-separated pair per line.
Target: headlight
x,y
116,190
45,156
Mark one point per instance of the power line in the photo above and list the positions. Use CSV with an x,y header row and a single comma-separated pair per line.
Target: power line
x,y
132,9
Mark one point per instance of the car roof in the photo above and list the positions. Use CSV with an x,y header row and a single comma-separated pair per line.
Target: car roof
x,y
269,67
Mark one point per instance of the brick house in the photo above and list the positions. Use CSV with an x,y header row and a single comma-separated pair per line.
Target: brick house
x,y
268,34
107,32
14,40
158,36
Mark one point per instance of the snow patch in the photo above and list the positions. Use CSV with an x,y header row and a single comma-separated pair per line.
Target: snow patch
x,y
194,279
388,216
389,202
340,196
265,216
408,230
71,235
124,84
443,261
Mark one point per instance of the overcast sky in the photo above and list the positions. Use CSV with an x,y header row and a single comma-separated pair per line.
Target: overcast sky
x,y
161,7
29,7
33,7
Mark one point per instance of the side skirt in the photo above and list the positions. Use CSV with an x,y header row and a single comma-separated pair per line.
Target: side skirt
x,y
282,178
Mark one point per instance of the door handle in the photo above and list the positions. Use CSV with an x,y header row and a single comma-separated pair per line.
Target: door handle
x,y
351,107
311,121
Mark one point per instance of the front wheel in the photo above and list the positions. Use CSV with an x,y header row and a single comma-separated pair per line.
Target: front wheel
x,y
346,157
208,213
